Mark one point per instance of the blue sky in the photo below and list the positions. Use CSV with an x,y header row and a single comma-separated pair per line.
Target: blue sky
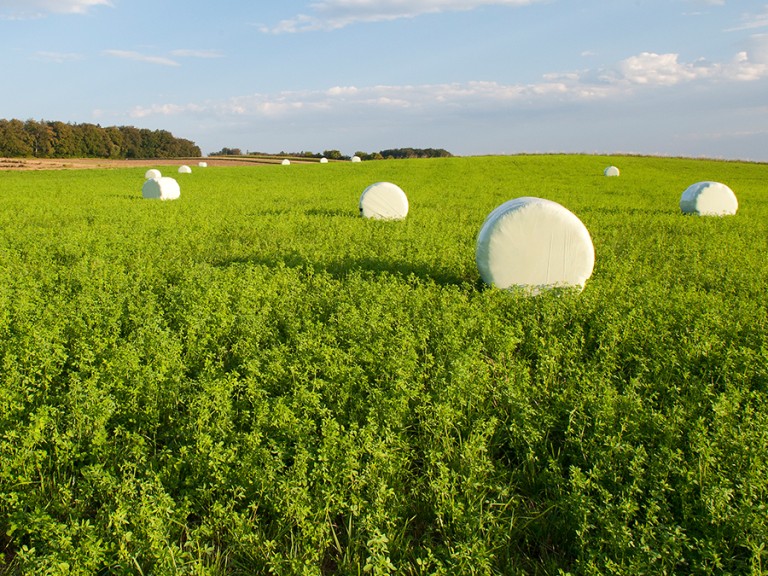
x,y
668,77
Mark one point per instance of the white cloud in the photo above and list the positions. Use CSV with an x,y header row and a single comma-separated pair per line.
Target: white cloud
x,y
163,110
643,72
137,56
11,9
335,14
187,53
659,69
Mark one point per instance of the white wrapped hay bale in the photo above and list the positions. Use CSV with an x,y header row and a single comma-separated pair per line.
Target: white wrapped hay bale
x,y
323,160
383,201
534,244
611,171
164,188
709,199
356,159
184,169
152,173
203,164
286,162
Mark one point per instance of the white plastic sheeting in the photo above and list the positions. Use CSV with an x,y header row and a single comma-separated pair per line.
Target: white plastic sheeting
x,y
535,244
383,201
164,188
152,173
611,171
184,169
709,199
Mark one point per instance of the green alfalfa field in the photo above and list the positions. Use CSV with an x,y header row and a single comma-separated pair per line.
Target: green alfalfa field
x,y
253,379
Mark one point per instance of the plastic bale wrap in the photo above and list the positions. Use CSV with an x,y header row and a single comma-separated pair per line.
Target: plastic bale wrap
x,y
161,189
383,201
152,173
535,244
709,199
184,169
611,171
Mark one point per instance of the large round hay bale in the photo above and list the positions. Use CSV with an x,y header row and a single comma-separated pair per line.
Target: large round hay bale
x,y
164,188
323,160
534,244
356,159
383,201
709,199
286,162
184,169
203,164
611,171
152,173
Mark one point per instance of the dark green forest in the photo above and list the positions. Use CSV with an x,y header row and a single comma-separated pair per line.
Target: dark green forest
x,y
44,139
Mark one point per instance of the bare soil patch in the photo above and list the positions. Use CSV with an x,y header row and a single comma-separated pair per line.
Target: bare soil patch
x,y
89,163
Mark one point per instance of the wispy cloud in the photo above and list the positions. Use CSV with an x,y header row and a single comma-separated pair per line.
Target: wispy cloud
x,y
752,21
187,53
138,57
335,14
57,57
708,2
21,9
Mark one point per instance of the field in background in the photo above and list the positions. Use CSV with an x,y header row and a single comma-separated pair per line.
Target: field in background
x,y
169,163
252,379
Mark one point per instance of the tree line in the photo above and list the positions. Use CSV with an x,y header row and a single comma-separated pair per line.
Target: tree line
x,y
396,153
43,139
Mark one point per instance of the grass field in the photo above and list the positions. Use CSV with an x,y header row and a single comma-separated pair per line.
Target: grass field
x,y
254,380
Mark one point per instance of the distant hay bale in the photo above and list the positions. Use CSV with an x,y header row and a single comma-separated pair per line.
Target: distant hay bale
x,y
286,162
535,244
152,173
323,160
383,201
709,199
164,188
203,164
611,171
184,169
356,159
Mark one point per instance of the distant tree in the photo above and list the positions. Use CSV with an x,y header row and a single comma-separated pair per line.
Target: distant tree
x,y
131,147
14,140
94,142
40,137
64,140
333,155
416,153
115,140
228,152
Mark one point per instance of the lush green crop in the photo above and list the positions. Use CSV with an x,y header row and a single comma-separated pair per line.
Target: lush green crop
x,y
252,379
